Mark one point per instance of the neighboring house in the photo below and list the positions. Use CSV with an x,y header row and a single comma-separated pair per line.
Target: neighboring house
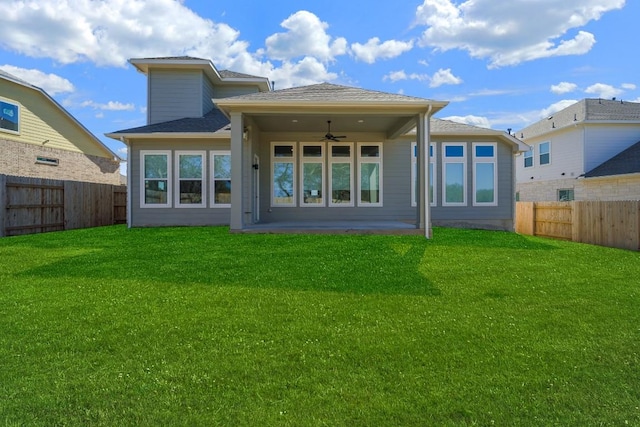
x,y
568,148
308,156
39,138
616,179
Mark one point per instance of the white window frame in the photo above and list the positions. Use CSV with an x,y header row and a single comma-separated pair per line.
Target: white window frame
x,y
321,160
293,160
452,160
540,153
212,187
18,112
168,179
529,155
203,178
432,170
493,160
341,160
369,160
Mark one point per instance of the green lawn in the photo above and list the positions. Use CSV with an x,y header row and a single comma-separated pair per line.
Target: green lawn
x,y
196,326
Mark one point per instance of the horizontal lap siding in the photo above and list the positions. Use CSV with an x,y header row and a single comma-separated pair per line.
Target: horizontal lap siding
x,y
144,217
175,95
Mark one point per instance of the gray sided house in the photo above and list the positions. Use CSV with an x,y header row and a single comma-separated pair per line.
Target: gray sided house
x,y
223,148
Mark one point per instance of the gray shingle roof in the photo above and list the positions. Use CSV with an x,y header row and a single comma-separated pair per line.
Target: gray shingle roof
x,y
448,126
326,92
587,110
626,162
228,74
213,121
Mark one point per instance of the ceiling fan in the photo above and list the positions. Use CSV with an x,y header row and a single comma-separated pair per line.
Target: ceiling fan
x,y
331,137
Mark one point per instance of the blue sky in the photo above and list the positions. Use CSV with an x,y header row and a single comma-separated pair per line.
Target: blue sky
x,y
499,64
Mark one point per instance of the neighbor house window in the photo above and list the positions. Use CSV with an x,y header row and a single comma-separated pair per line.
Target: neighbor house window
x,y
190,182
220,179
9,117
565,195
341,174
528,158
155,191
485,174
545,153
414,174
454,174
283,175
370,174
312,171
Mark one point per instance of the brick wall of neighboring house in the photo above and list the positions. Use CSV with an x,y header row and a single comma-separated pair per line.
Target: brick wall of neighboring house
x,y
610,188
605,189
20,159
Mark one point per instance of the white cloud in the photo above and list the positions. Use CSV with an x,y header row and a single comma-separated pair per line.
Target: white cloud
x,y
628,86
602,90
306,36
373,50
395,76
51,83
109,106
307,71
563,87
470,120
508,33
444,77
554,108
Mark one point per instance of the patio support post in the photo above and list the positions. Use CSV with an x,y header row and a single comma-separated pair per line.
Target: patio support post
x,y
423,142
237,163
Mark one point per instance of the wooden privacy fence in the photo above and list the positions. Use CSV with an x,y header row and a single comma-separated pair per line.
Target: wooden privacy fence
x,y
609,223
36,205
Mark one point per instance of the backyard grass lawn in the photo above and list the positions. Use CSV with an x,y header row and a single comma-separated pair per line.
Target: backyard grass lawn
x,y
196,326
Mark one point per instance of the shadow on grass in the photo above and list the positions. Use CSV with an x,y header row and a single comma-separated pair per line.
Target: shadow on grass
x,y
490,239
366,264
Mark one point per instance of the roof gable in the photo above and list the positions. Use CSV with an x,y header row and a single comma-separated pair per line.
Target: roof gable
x,y
626,162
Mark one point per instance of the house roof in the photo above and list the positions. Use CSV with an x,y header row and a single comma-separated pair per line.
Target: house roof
x,y
441,127
189,62
325,93
626,162
10,77
585,111
212,122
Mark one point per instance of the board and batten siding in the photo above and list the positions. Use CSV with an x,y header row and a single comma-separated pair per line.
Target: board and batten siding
x,y
147,217
42,122
174,95
500,216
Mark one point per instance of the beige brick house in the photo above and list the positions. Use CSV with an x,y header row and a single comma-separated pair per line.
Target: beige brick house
x,y
39,138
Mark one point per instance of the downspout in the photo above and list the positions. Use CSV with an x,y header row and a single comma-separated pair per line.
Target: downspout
x,y
426,165
129,206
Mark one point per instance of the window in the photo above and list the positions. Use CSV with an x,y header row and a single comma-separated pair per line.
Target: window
x,y
220,179
545,153
50,161
155,191
528,158
341,174
454,174
414,174
190,184
370,171
9,117
484,174
283,161
565,195
312,169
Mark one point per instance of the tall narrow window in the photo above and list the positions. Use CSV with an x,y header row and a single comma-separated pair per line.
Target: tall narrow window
x,y
341,174
370,174
414,174
220,179
528,158
545,153
190,185
484,175
283,161
312,164
454,174
9,117
155,191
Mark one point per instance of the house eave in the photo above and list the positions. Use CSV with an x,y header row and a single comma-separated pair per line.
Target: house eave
x,y
175,135
228,105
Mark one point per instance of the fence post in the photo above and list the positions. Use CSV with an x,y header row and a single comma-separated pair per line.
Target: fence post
x,y
3,207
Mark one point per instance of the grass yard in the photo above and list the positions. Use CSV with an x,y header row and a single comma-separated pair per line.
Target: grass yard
x,y
196,326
